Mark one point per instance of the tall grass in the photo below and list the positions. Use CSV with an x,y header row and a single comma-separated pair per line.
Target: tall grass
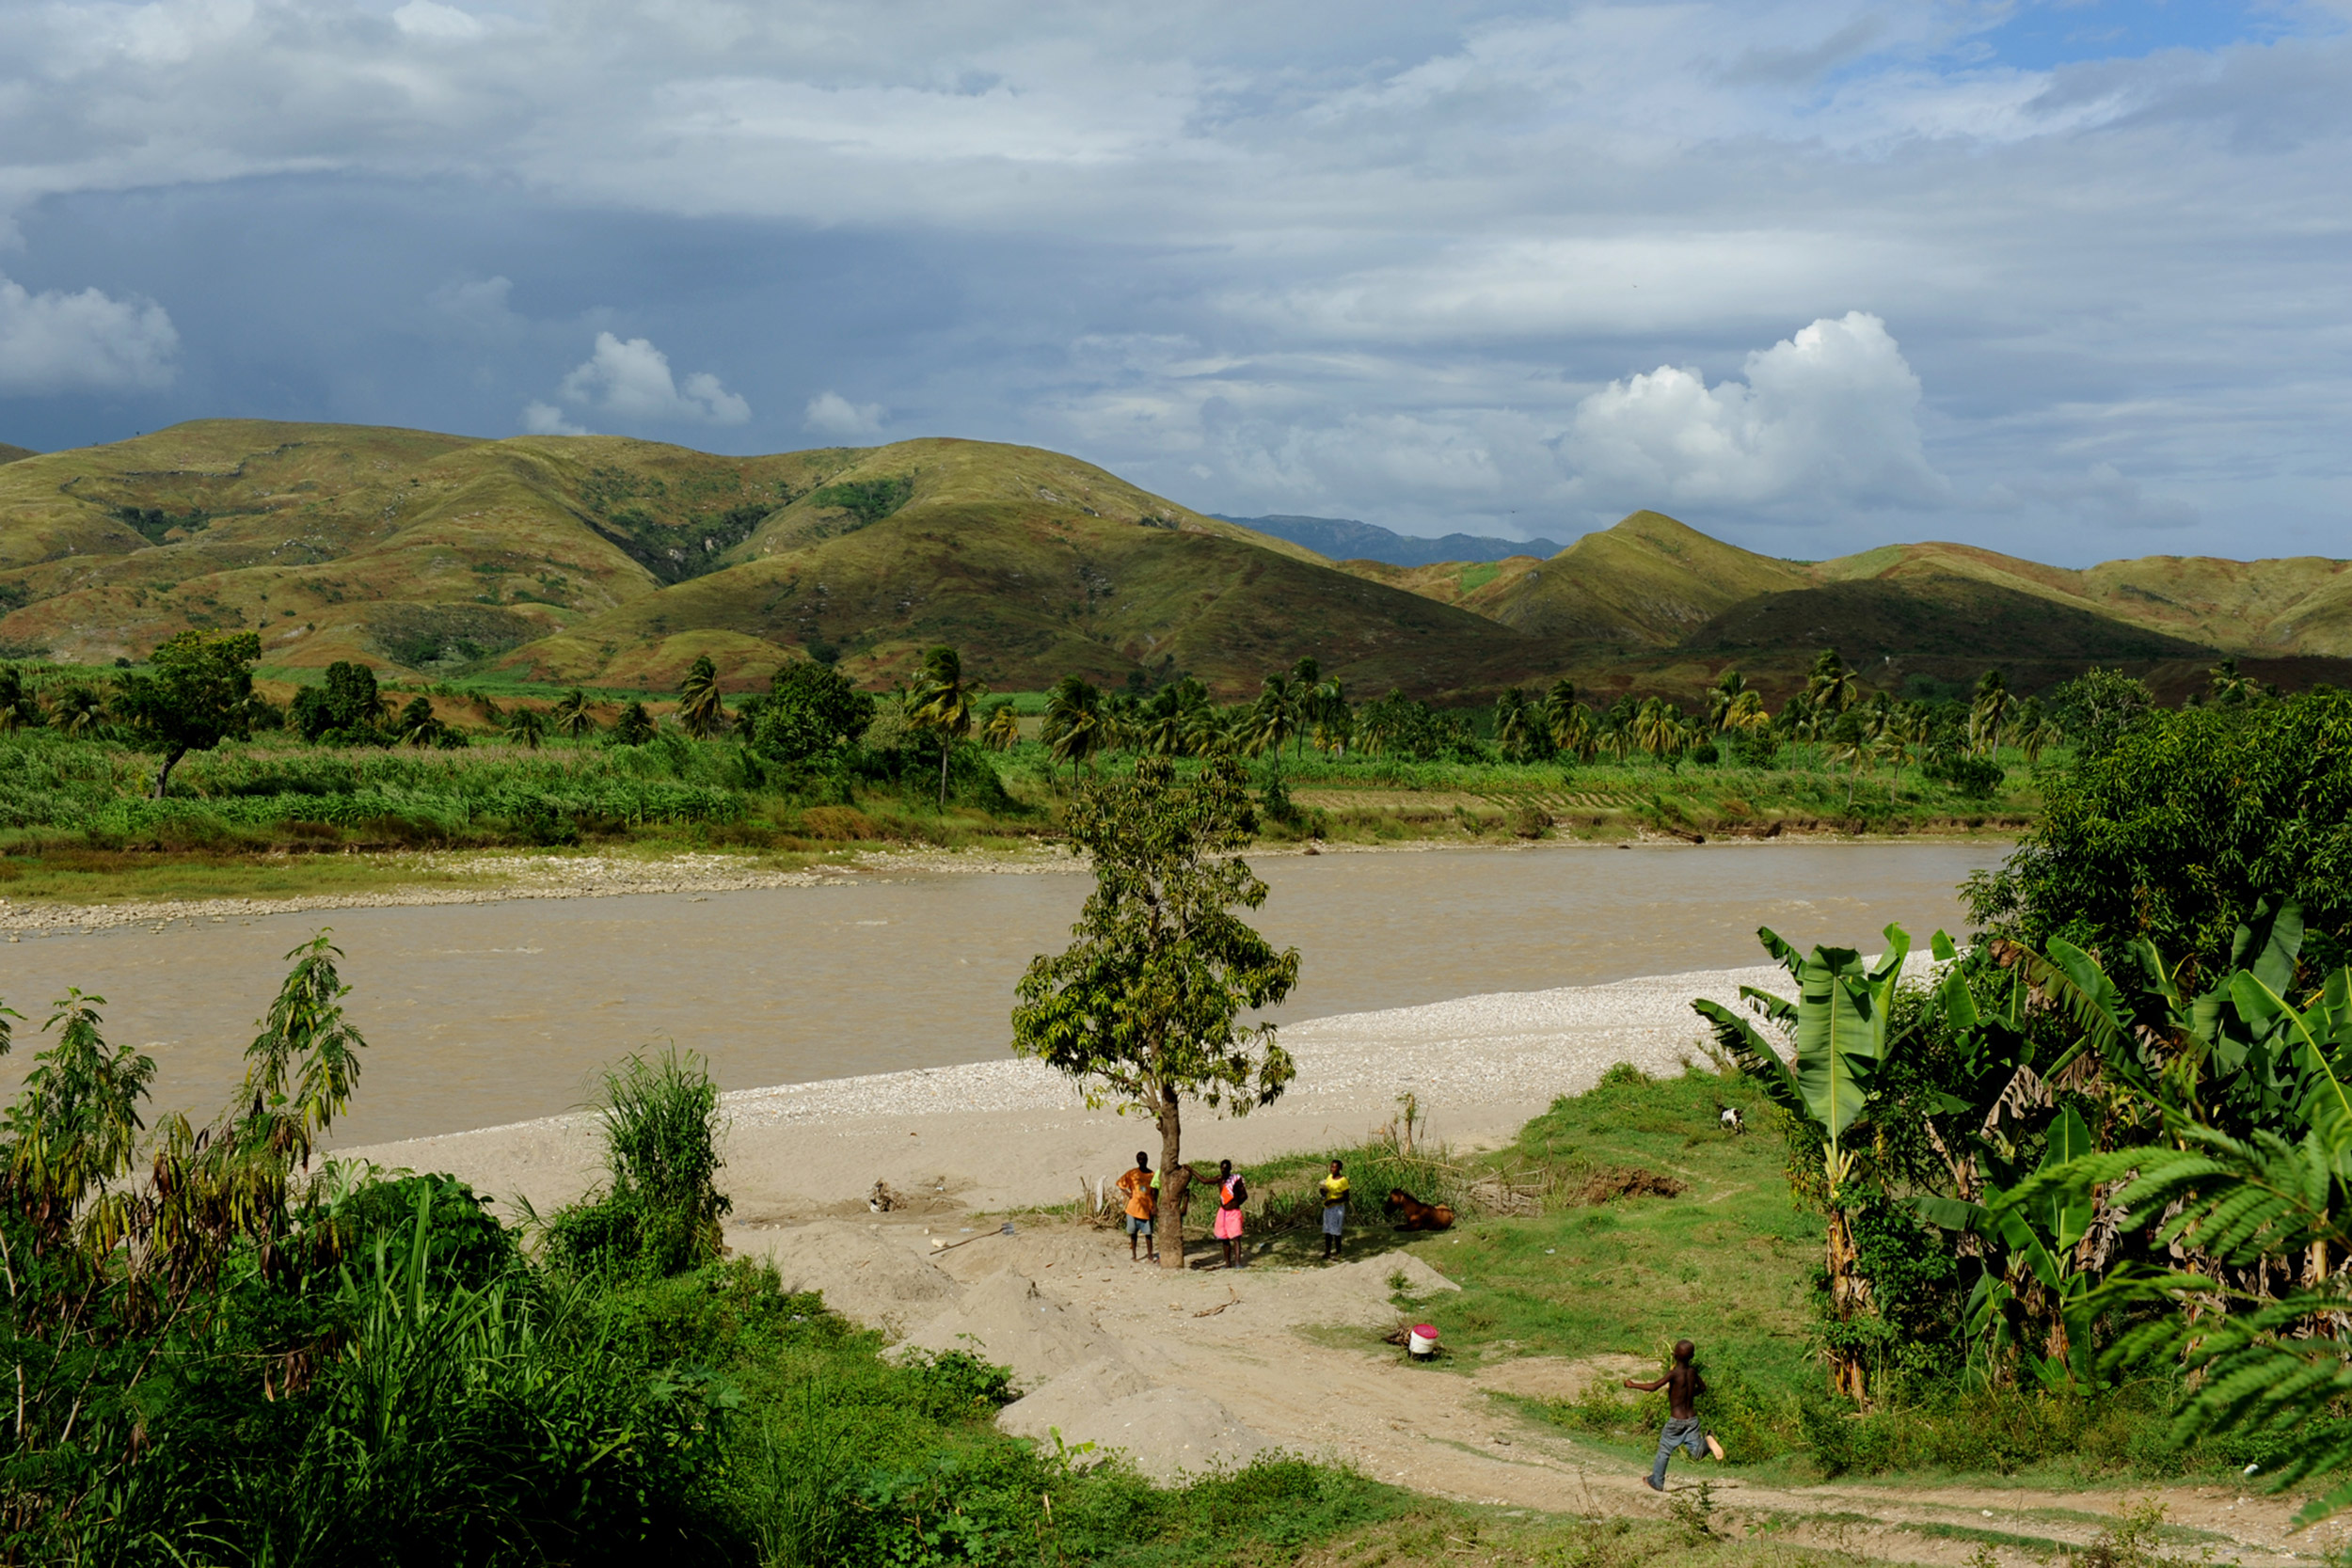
x,y
661,1208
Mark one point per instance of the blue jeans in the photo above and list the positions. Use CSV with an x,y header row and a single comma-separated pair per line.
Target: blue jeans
x,y
1683,1433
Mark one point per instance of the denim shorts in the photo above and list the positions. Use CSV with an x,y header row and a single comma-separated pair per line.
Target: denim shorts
x,y
1138,1228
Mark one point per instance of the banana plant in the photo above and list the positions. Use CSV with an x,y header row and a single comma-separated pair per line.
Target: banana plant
x,y
1840,1028
2041,1268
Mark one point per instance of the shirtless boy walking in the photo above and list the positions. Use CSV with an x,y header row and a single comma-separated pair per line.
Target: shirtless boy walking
x,y
1683,1387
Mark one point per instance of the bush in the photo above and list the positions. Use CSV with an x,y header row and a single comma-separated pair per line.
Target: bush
x,y
659,1213
1757,748
1973,778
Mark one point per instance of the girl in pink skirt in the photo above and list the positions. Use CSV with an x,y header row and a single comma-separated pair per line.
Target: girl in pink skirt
x,y
1232,1193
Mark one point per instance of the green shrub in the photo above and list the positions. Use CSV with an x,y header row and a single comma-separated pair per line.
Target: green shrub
x,y
660,1210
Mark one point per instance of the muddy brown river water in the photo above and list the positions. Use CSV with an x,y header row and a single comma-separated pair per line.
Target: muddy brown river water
x,y
482,1014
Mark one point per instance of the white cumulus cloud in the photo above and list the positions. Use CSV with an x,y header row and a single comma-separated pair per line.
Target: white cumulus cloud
x,y
831,414
545,419
631,380
1827,419
55,342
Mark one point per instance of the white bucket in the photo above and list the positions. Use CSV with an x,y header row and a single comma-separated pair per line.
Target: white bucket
x,y
1420,1340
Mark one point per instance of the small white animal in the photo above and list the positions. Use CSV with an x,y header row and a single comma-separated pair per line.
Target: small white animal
x,y
1732,1120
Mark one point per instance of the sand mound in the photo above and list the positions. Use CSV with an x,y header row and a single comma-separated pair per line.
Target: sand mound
x,y
1006,1320
1352,1294
1164,1432
864,1273
1068,1399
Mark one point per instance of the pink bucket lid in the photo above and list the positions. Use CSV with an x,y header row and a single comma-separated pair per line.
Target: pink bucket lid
x,y
1426,1331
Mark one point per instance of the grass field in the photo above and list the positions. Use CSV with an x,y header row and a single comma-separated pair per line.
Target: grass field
x,y
1729,1262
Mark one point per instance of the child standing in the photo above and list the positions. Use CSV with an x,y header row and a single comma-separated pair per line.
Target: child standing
x,y
1334,1209
1683,1387
1232,1193
1142,1190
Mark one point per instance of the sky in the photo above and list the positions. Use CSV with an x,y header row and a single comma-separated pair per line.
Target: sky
x,y
2071,280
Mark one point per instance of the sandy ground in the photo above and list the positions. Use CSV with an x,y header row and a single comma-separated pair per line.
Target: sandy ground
x,y
1009,1134
1185,1371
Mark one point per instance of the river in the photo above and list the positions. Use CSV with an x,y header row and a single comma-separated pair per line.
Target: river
x,y
481,1014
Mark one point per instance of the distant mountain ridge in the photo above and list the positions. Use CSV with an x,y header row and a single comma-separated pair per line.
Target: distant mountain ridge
x,y
1345,539
618,562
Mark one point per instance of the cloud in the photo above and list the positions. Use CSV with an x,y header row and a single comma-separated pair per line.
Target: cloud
x,y
426,19
545,419
1826,418
831,414
54,342
631,381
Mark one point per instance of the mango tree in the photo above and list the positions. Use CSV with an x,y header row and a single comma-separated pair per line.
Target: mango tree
x,y
1144,1009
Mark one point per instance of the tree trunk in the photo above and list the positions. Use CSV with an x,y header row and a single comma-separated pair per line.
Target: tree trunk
x,y
1847,1296
943,771
1168,1226
163,779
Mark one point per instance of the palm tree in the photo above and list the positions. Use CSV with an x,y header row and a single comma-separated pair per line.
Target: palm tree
x,y
1831,686
17,706
1272,718
943,705
78,710
1073,720
1305,675
1335,718
2229,689
1988,714
527,725
1658,729
1210,732
702,712
571,714
1002,732
1516,723
1728,692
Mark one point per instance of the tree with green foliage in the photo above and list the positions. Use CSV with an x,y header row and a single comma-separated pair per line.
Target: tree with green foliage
x,y
1144,1008
1830,689
2176,830
196,692
702,712
20,705
1002,730
1272,718
526,726
1073,720
2095,708
573,714
1989,713
942,704
79,709
812,711
634,727
346,707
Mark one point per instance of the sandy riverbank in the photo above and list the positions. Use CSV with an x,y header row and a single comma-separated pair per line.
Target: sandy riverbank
x,y
1010,1134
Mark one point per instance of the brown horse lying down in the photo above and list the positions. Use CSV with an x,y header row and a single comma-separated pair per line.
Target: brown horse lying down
x,y
1412,1213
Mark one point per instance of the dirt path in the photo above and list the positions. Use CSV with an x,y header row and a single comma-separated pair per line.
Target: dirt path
x,y
1293,1355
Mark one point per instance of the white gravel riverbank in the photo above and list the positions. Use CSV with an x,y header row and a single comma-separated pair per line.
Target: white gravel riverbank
x,y
1007,1133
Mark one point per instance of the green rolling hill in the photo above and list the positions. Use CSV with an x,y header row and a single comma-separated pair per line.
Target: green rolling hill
x,y
616,562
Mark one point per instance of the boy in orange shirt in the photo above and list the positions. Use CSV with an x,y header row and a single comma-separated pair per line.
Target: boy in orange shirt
x,y
1142,1205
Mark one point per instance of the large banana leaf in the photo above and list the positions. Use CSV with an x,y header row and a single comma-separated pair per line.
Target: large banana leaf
x,y
1756,1058
2060,1214
1841,1023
